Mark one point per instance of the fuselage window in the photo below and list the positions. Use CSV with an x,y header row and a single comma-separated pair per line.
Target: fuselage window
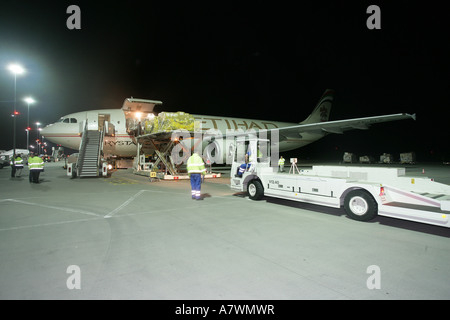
x,y
66,120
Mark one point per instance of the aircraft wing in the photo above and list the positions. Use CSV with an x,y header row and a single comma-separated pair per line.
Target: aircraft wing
x,y
339,126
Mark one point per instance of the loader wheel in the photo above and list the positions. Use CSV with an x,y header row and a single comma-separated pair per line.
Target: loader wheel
x,y
360,205
255,190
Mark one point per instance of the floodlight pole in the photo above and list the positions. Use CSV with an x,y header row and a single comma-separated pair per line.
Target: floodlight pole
x,y
14,115
15,69
28,100
37,138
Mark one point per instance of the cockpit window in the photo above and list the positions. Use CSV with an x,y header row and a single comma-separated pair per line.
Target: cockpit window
x,y
68,120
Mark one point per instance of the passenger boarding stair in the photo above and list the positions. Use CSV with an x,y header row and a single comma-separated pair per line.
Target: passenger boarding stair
x,y
89,158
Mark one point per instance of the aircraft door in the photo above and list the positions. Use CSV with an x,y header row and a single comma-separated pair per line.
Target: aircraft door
x,y
81,125
109,129
92,119
103,121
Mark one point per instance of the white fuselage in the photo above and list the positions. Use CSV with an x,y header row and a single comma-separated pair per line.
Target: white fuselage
x,y
67,131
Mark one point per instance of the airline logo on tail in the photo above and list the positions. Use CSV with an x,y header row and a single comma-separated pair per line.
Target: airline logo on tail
x,y
324,113
321,112
325,105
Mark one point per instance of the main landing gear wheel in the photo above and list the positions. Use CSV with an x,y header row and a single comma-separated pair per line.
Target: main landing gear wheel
x,y
360,205
255,190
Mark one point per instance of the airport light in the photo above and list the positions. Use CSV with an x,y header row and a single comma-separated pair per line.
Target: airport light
x,y
29,101
15,69
37,136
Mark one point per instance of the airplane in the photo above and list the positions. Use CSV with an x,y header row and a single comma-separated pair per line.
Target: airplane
x,y
120,135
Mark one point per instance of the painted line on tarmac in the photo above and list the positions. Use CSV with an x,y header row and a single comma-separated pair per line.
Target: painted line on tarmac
x,y
132,198
123,205
56,208
100,217
49,224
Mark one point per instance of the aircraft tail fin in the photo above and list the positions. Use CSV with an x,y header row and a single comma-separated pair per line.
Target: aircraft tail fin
x,y
321,112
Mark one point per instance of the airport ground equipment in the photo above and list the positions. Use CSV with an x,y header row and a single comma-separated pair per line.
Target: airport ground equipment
x,y
57,154
386,158
154,137
4,163
364,192
366,159
163,143
349,157
89,162
408,158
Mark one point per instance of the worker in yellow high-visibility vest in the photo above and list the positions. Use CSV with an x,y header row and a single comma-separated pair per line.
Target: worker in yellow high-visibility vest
x,y
16,166
196,168
281,164
19,166
36,166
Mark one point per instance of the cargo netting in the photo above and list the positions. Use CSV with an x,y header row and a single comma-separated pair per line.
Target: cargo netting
x,y
170,121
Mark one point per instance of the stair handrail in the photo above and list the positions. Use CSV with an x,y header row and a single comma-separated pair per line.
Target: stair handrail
x,y
100,148
82,149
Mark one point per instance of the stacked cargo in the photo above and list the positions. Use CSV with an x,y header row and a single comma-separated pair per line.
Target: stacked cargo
x,y
170,121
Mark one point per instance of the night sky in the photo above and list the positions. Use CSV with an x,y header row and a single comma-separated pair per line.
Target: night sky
x,y
252,59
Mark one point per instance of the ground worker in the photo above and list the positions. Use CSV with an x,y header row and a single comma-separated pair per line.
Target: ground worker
x,y
19,165
245,166
281,164
196,168
12,163
36,166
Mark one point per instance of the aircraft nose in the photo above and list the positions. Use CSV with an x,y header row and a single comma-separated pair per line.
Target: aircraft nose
x,y
46,130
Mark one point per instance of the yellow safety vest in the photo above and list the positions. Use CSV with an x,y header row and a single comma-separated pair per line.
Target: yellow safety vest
x,y
19,162
35,163
195,164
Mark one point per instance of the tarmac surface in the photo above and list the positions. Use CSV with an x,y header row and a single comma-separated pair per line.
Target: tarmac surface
x,y
124,237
